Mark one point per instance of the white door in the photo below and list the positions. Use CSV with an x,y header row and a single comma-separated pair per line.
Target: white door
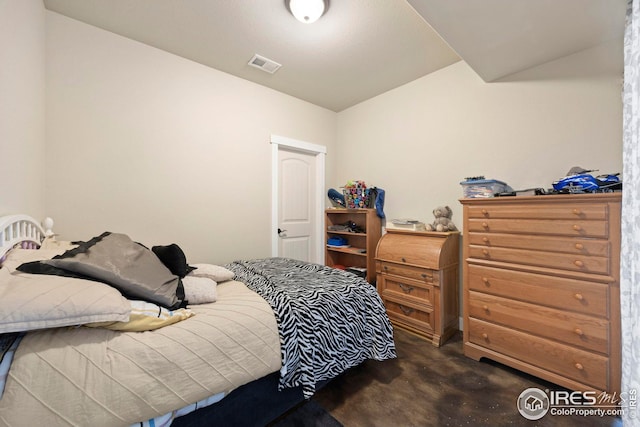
x,y
298,199
296,172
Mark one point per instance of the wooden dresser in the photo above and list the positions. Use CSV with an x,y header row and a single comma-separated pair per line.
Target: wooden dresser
x,y
417,278
541,286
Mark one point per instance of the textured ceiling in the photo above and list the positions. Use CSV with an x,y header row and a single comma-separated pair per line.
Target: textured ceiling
x,y
500,37
359,48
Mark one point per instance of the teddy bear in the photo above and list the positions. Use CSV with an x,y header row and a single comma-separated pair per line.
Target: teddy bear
x,y
443,221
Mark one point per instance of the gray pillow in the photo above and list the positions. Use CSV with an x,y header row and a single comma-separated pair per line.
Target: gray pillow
x,y
127,266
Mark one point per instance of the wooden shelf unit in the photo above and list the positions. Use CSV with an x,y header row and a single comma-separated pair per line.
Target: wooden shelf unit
x,y
361,252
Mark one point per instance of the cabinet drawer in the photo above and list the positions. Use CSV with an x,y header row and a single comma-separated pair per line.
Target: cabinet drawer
x,y
581,263
591,247
588,211
566,294
423,275
575,228
413,315
588,332
419,292
579,365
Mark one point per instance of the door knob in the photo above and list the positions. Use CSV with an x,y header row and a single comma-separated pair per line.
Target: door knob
x,y
280,231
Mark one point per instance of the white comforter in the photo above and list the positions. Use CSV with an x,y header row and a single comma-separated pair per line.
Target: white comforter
x,y
97,377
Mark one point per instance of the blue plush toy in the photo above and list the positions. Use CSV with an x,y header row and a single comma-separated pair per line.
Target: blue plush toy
x,y
336,198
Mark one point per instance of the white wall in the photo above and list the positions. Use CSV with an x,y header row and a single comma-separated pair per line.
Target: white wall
x,y
146,143
420,140
22,107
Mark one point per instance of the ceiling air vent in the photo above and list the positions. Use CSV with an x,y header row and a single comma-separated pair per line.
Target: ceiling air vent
x,y
264,64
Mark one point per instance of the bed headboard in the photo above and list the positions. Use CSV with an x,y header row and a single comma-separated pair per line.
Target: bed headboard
x,y
23,230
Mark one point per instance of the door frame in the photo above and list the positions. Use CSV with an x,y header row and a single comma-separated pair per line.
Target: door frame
x,y
319,152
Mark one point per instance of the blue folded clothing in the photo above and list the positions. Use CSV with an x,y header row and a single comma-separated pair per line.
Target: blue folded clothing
x,y
337,241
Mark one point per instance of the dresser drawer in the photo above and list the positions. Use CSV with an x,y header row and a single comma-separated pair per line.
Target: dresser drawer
x,y
588,332
588,211
581,263
573,228
579,365
565,294
423,275
414,315
419,292
571,245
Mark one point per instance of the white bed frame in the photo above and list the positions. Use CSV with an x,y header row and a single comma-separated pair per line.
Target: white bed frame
x,y
16,229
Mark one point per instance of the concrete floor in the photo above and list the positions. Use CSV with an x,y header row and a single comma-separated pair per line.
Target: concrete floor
x,y
429,386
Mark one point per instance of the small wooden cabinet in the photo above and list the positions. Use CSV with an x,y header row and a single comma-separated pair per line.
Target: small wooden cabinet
x,y
541,286
361,245
418,281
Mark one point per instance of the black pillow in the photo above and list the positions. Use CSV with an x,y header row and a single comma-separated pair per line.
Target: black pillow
x,y
173,258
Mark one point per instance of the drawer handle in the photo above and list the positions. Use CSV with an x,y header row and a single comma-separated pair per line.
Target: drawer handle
x,y
403,259
579,332
424,275
578,263
576,227
485,252
485,225
577,212
406,310
485,336
579,297
485,239
485,308
579,246
485,281
405,288
579,366
485,212
385,268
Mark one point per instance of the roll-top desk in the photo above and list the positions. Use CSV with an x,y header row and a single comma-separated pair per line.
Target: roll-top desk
x,y
541,286
417,278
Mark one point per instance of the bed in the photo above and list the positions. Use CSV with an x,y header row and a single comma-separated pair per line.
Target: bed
x,y
107,332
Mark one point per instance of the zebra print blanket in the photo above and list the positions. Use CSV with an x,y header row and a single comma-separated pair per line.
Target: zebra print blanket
x,y
329,320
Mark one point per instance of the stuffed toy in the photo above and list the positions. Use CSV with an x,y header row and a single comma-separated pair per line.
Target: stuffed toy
x,y
443,221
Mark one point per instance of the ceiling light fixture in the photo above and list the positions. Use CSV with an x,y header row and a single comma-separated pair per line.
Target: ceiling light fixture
x,y
307,11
